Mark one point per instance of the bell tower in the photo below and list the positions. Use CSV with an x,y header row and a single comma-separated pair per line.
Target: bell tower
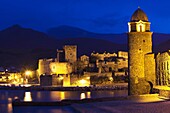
x,y
140,51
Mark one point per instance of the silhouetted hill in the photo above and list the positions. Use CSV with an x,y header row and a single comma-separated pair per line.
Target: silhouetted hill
x,y
23,47
18,37
88,45
164,46
73,32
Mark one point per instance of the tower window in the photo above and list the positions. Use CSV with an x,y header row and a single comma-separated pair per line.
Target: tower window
x,y
143,40
140,26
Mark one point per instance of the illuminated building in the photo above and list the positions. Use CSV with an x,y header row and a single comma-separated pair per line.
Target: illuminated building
x,y
101,56
58,67
163,68
70,53
85,60
108,62
141,59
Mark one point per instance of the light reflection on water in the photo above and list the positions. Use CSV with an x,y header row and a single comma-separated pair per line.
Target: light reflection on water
x,y
27,96
85,95
82,96
88,94
6,97
9,108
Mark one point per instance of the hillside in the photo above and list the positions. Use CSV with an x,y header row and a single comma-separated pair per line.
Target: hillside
x,y
22,47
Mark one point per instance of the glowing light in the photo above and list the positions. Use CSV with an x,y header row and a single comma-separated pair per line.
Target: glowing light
x,y
28,73
88,77
140,26
16,98
82,96
62,95
27,96
83,81
25,85
9,108
88,94
61,78
110,78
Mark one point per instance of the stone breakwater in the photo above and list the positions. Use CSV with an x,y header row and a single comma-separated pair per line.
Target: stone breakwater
x,y
66,101
115,87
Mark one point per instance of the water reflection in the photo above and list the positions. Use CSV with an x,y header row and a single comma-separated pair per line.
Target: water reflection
x,y
85,95
6,97
88,94
38,95
82,96
62,95
27,96
9,107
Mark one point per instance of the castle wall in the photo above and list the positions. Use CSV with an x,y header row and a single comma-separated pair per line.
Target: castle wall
x,y
66,80
70,53
60,68
43,66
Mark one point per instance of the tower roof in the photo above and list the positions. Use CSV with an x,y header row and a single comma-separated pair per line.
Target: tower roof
x,y
139,14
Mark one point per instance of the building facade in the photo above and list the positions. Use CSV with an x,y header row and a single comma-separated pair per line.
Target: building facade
x,y
70,53
163,68
61,66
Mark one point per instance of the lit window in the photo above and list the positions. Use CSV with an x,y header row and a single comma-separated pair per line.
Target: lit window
x,y
140,26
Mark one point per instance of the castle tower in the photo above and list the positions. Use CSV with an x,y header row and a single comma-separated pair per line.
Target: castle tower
x,y
140,54
70,53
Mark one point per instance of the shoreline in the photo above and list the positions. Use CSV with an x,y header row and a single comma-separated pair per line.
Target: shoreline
x,y
148,98
66,102
42,88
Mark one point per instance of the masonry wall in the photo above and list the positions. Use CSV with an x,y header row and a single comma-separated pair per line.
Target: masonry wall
x,y
150,73
140,43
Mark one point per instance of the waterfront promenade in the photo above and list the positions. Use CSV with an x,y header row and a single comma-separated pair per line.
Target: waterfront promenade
x,y
144,104
148,104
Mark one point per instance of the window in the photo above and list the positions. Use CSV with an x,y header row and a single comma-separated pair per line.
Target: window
x,y
167,65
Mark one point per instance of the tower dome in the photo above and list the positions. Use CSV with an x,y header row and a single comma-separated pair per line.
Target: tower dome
x,y
139,15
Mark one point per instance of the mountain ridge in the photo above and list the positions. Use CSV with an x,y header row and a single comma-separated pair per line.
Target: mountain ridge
x,y
24,46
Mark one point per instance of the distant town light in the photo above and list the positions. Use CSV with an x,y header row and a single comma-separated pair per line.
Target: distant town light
x,y
83,81
61,77
28,73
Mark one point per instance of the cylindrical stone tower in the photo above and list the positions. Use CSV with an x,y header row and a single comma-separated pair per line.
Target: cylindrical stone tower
x,y
139,44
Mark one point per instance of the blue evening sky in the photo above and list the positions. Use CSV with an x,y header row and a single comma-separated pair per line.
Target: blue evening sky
x,y
101,16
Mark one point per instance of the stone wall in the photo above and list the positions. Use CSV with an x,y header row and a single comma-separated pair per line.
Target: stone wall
x,y
150,74
139,43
